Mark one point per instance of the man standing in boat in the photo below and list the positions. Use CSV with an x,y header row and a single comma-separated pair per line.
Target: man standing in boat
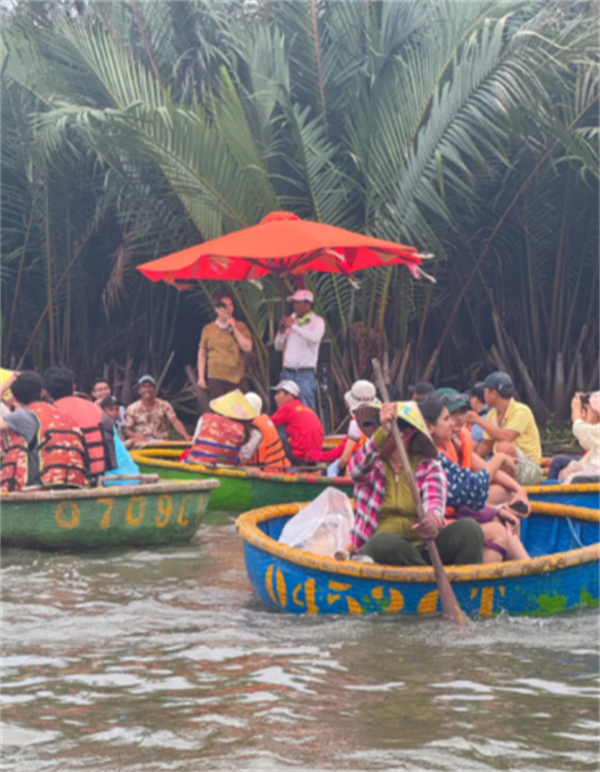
x,y
222,349
299,337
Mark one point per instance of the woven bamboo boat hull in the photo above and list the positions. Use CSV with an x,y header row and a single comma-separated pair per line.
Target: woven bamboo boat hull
x,y
243,488
127,516
561,574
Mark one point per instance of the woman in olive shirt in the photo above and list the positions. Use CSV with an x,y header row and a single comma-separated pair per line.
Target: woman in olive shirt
x,y
221,363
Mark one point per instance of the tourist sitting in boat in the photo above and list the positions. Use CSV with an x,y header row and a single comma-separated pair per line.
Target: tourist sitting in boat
x,y
7,378
420,391
226,434
459,449
585,414
112,408
386,526
96,426
270,454
41,446
150,417
299,427
126,466
469,491
100,390
477,403
510,428
362,393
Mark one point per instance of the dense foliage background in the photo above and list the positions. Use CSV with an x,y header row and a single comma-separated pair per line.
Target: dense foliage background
x,y
469,129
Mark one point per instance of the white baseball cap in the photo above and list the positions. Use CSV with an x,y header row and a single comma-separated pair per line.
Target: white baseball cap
x,y
362,394
290,386
302,295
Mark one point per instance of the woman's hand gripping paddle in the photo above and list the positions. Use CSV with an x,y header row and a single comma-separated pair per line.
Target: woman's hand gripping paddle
x,y
450,608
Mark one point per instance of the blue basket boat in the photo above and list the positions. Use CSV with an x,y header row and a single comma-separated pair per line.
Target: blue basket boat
x,y
574,494
561,574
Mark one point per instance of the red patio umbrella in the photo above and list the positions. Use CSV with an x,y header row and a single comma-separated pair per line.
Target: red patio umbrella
x,y
281,244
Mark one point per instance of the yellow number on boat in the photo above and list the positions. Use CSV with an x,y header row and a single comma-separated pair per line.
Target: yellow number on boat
x,y
354,606
181,519
486,606
428,603
165,510
331,598
73,522
200,508
277,593
309,594
129,516
396,602
105,519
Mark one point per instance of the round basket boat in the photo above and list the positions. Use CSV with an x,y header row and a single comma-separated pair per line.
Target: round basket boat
x,y
128,516
561,574
241,487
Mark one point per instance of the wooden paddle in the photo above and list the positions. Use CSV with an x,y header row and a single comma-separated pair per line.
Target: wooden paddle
x,y
450,608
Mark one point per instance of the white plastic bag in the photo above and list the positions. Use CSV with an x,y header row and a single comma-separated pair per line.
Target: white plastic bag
x,y
323,526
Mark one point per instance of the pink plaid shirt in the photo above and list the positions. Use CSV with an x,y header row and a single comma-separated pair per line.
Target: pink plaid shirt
x,y
367,472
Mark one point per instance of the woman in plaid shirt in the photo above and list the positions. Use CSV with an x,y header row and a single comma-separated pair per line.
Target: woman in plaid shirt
x,y
386,526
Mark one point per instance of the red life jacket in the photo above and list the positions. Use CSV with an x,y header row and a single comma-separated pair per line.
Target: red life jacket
x,y
270,452
55,457
219,441
88,417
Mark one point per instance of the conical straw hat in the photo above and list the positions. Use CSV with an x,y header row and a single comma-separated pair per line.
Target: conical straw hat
x,y
4,376
234,405
409,412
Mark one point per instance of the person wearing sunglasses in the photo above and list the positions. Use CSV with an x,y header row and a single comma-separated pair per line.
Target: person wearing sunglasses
x,y
222,349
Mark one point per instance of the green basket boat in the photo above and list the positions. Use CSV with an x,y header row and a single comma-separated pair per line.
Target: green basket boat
x,y
241,488
127,516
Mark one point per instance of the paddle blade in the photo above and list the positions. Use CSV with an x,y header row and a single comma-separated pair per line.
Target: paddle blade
x,y
450,608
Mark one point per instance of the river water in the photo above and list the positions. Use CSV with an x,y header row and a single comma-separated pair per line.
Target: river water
x,y
164,660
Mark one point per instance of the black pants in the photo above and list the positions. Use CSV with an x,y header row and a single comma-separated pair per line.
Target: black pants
x,y
459,543
557,464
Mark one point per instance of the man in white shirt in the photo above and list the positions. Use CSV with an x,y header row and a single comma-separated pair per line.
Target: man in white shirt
x,y
299,337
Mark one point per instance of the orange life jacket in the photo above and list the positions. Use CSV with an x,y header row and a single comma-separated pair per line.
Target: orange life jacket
x,y
464,457
55,457
270,452
89,418
465,460
219,441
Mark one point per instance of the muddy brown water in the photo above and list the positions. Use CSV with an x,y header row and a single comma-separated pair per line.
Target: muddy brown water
x,y
165,660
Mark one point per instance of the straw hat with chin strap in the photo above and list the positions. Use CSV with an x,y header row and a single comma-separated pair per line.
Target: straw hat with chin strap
x,y
409,413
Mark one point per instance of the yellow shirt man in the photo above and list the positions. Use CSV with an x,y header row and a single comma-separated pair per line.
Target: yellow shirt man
x,y
520,419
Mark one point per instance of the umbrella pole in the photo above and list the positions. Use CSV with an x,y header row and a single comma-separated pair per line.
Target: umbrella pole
x,y
282,294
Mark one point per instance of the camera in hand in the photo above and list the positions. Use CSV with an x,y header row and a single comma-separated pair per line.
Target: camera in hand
x,y
585,398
